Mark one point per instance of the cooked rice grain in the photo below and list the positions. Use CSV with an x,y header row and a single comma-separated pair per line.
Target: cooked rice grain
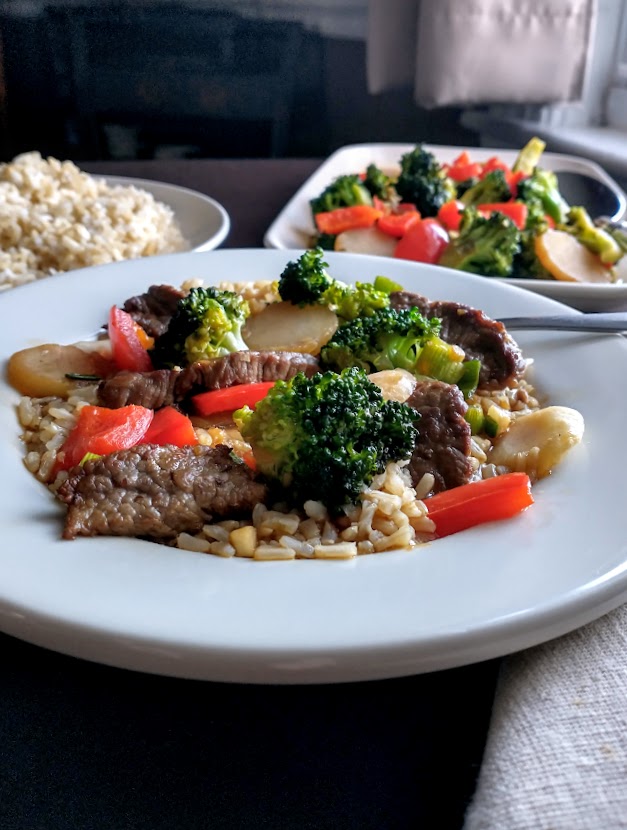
x,y
54,217
389,516
47,423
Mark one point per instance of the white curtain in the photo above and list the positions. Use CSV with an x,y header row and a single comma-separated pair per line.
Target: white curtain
x,y
465,52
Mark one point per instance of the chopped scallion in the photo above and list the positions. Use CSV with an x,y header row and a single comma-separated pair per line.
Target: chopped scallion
x,y
441,361
78,376
469,380
476,419
89,456
386,285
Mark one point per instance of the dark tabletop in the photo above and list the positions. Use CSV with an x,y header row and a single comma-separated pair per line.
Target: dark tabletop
x,y
90,747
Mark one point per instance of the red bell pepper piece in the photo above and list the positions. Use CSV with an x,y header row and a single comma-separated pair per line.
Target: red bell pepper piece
x,y
345,219
462,173
230,399
494,163
463,168
489,500
127,348
397,224
169,426
516,211
424,241
101,431
450,214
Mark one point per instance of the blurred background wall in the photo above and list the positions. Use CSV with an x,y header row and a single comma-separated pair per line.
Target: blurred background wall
x,y
195,78
90,79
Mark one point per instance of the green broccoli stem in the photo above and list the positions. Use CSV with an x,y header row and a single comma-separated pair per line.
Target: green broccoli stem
x,y
594,238
529,157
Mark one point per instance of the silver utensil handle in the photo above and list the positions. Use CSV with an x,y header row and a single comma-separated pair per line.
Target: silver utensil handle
x,y
594,322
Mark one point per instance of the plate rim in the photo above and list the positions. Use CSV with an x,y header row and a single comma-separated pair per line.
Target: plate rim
x,y
329,665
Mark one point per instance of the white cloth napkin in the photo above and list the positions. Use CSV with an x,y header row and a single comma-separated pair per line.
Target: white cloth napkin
x,y
556,754
458,52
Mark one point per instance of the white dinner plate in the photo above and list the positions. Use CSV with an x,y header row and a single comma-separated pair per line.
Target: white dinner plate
x,y
204,223
293,227
472,596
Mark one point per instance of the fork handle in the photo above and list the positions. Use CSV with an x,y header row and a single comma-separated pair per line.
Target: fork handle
x,y
599,322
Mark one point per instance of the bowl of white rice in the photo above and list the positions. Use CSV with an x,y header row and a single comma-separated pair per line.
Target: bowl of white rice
x,y
54,218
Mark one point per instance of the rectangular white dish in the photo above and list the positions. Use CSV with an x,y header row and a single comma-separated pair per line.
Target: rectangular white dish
x,y
293,228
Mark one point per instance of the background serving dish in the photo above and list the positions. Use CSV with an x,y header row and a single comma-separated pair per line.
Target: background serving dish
x,y
465,598
293,227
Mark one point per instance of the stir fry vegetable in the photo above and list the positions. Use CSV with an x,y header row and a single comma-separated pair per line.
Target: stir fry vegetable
x,y
326,437
170,426
231,398
404,339
207,323
305,281
484,501
129,342
429,208
101,431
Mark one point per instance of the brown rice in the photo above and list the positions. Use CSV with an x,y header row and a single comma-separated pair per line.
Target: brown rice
x,y
54,218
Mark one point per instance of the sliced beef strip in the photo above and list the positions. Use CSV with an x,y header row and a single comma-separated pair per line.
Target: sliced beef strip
x,y
157,492
479,336
154,309
164,387
150,389
443,443
244,367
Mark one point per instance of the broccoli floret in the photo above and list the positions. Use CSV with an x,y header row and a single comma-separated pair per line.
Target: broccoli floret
x,y
344,191
378,183
492,187
526,263
400,339
485,245
596,239
389,339
305,281
326,437
464,187
207,323
326,241
542,188
423,182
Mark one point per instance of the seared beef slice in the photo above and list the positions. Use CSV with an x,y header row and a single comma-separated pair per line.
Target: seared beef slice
x,y
479,336
243,367
157,492
150,389
154,309
164,387
443,443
